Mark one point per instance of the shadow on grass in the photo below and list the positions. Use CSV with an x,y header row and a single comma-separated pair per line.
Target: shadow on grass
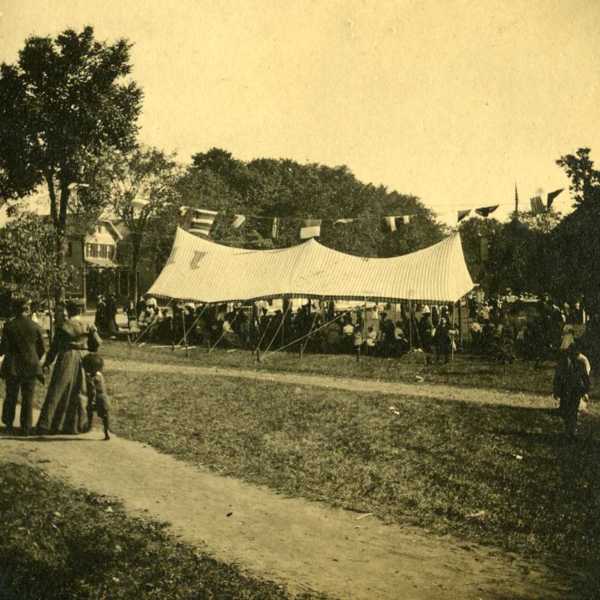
x,y
39,438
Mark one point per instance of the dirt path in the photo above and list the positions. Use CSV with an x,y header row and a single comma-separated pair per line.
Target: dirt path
x,y
427,390
303,544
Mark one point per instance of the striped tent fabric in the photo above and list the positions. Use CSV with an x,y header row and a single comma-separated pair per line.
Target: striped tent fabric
x,y
204,271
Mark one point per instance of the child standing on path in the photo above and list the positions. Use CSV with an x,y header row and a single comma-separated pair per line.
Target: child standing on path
x,y
97,395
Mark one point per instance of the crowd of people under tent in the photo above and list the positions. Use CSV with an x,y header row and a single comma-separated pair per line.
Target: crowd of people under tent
x,y
497,328
373,329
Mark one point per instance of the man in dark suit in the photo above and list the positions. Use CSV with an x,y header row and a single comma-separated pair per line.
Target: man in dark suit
x,y
22,346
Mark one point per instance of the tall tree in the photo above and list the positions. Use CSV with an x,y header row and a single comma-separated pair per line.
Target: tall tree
x,y
142,191
265,188
575,241
27,261
63,103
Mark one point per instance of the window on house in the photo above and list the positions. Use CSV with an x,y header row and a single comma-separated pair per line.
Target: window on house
x,y
94,250
103,251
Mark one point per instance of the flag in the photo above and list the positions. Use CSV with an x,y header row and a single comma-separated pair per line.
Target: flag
x,y
201,221
553,195
344,221
537,206
516,199
311,228
462,214
391,222
198,256
275,228
238,221
406,219
486,211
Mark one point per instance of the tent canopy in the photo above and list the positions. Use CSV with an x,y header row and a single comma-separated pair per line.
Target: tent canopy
x,y
204,271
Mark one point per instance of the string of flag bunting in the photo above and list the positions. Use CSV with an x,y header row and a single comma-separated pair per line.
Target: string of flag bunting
x,y
199,221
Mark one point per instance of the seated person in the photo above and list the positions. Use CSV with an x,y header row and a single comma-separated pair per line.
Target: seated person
x,y
333,338
230,339
371,340
357,338
400,342
348,335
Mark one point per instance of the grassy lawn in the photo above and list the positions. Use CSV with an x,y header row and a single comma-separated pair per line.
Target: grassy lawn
x,y
58,542
495,474
464,371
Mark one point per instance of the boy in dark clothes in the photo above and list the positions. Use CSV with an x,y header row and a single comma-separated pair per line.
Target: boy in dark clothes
x,y
97,395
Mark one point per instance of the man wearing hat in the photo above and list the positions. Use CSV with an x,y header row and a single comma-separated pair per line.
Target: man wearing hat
x,y
426,331
22,346
571,382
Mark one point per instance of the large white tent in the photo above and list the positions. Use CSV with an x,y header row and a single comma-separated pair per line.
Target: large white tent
x,y
204,271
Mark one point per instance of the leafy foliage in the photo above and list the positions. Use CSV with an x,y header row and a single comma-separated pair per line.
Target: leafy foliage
x,y
283,188
575,242
63,103
139,189
27,259
518,256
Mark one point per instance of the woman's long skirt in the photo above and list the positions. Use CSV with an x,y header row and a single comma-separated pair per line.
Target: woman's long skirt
x,y
65,406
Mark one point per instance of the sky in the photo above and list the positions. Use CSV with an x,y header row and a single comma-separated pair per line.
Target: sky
x,y
453,101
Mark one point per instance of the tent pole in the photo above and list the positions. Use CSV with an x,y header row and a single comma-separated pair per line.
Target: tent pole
x,y
410,325
362,331
143,333
187,350
223,334
193,324
460,340
283,316
310,333
303,345
257,349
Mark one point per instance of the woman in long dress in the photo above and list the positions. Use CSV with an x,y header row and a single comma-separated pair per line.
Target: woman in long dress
x,y
65,407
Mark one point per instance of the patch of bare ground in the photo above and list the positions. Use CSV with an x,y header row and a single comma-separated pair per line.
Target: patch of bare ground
x,y
303,544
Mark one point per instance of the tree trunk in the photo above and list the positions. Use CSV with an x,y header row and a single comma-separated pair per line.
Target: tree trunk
x,y
135,260
58,212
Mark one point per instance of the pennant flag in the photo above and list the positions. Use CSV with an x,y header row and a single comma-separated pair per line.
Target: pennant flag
x,y
486,211
552,196
238,221
275,228
516,199
344,221
391,223
312,228
201,221
462,214
537,206
406,219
